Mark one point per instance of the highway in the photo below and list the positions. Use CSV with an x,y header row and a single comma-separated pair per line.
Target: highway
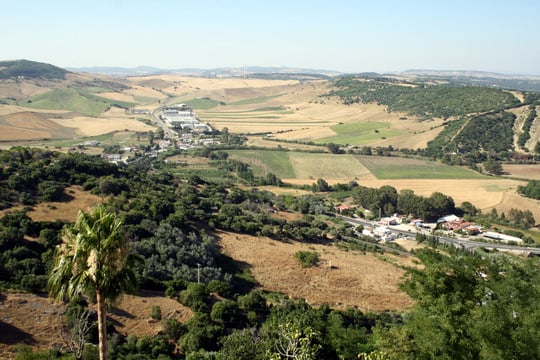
x,y
457,242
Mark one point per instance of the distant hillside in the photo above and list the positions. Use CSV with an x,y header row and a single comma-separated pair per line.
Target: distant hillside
x,y
250,71
30,69
479,78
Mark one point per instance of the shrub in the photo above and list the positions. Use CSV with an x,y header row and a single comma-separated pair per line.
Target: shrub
x,y
195,297
307,258
219,287
156,312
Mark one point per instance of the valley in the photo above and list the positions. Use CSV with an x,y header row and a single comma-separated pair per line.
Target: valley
x,y
221,214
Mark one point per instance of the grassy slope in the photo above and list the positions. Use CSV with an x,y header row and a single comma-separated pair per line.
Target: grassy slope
x,y
74,100
360,133
263,162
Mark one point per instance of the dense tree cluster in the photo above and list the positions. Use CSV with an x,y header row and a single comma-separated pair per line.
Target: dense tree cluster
x,y
531,190
424,100
468,307
468,141
386,201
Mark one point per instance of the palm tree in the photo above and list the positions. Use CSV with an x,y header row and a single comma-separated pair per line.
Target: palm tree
x,y
94,259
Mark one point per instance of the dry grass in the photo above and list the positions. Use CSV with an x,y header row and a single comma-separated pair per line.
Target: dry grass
x,y
341,279
36,320
30,319
91,126
132,313
65,211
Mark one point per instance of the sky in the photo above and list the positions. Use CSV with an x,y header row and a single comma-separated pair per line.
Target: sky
x,y
342,35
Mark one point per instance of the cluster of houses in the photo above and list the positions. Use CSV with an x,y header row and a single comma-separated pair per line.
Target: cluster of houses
x,y
181,116
451,223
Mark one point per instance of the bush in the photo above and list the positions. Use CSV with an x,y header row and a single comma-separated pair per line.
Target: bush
x,y
173,329
156,312
195,297
219,287
307,258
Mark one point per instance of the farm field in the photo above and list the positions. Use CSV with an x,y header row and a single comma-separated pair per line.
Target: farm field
x,y
291,110
305,165
360,133
423,177
522,171
403,168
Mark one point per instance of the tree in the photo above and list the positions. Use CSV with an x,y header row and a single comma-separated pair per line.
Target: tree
x,y
493,166
468,307
160,133
51,190
295,341
94,259
321,186
151,137
334,148
74,331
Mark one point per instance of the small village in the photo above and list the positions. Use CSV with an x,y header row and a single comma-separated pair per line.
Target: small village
x,y
180,127
391,228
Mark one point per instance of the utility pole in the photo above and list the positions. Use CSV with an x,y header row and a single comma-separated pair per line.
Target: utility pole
x,y
198,273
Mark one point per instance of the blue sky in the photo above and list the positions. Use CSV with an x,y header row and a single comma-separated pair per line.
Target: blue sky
x,y
347,36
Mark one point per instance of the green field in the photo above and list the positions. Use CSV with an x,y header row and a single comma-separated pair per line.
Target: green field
x,y
300,165
326,166
71,99
263,162
402,168
303,165
202,103
256,100
360,133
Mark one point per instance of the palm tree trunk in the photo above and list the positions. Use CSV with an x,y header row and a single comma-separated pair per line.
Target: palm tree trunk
x,y
102,326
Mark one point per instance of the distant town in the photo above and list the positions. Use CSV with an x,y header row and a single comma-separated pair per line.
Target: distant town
x,y
178,127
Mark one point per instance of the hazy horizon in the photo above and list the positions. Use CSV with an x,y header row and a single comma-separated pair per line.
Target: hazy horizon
x,y
345,36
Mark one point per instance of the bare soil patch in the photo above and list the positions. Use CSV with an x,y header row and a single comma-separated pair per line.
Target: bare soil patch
x,y
342,279
523,171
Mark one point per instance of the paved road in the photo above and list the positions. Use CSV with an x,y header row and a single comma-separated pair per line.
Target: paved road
x,y
167,130
457,242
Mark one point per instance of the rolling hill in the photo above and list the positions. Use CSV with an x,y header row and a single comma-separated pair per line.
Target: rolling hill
x,y
30,69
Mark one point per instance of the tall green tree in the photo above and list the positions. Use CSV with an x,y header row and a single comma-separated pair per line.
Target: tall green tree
x,y
94,259
468,307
